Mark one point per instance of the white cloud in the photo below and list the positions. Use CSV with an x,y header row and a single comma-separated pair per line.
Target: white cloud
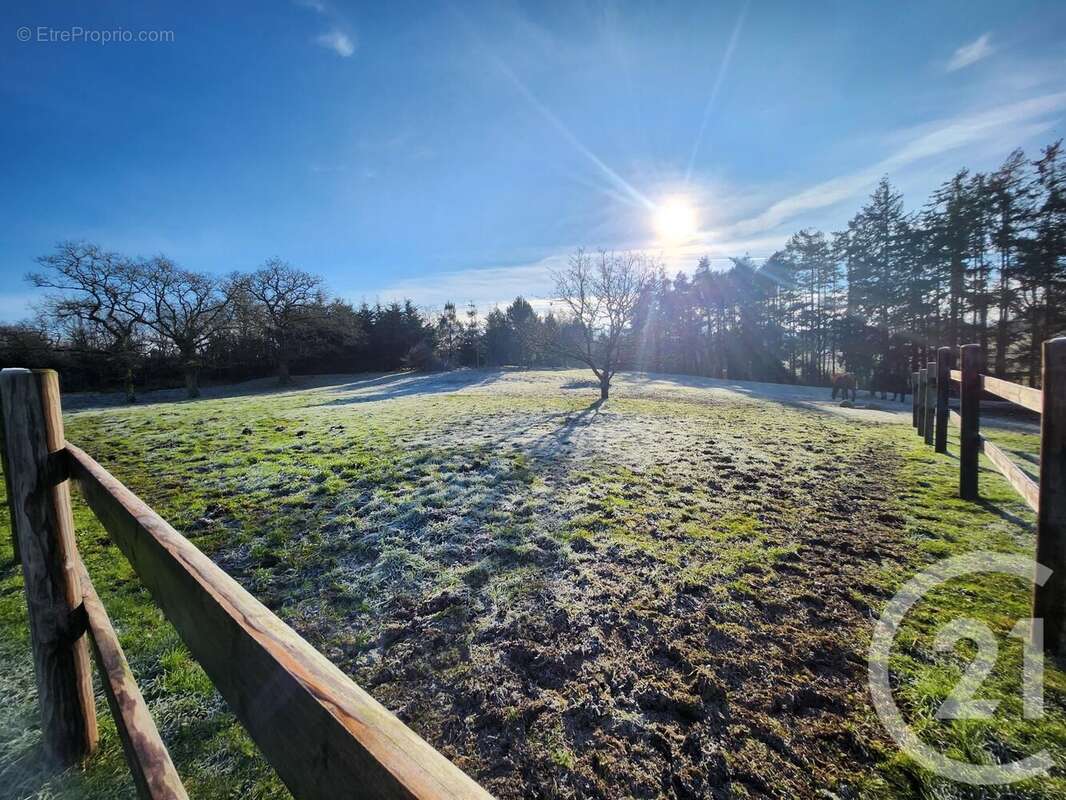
x,y
485,287
334,39
1012,122
971,53
315,5
337,41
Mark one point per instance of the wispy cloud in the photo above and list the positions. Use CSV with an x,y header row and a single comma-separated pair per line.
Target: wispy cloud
x,y
1014,121
337,41
971,53
485,287
492,286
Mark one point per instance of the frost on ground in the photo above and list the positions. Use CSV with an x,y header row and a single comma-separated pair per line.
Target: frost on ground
x,y
656,602
665,595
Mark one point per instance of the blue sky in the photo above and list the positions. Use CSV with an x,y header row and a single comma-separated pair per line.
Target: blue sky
x,y
459,150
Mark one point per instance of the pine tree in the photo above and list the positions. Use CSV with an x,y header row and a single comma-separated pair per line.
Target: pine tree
x,y
1009,198
1043,274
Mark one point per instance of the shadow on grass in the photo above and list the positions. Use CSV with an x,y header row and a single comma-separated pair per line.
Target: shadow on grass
x,y
406,384
1023,525
86,401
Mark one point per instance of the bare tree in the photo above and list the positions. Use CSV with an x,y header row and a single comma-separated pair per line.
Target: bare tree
x,y
99,298
287,297
186,309
600,294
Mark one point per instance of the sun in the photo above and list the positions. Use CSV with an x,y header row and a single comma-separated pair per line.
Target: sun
x,y
675,220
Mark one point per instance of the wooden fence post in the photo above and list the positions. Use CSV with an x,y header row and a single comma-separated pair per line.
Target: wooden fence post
x,y
15,559
919,398
39,502
970,410
914,400
1049,600
944,364
929,402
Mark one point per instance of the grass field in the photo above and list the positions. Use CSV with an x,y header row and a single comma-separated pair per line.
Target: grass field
x,y
669,595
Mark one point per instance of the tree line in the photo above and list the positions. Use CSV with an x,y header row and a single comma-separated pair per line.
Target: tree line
x,y
109,320
983,260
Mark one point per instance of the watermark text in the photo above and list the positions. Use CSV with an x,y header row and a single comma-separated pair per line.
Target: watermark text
x,y
76,34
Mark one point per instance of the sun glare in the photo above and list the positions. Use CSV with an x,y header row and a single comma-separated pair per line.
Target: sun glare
x,y
675,221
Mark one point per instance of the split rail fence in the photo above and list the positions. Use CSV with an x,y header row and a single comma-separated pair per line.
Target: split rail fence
x,y
324,735
931,416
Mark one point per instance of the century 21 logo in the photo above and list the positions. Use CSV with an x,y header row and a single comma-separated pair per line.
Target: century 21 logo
x,y
961,702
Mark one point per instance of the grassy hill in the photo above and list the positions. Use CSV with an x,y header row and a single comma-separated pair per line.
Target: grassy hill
x,y
669,594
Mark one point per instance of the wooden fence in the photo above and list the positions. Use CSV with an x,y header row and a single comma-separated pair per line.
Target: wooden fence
x,y
324,735
931,417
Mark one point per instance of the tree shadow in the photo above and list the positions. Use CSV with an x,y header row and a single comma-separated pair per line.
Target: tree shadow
x,y
581,383
553,444
407,384
87,401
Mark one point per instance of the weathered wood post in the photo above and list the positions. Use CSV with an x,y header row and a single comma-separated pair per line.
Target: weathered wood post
x,y
914,400
1049,600
945,359
39,502
7,488
929,402
970,409
919,398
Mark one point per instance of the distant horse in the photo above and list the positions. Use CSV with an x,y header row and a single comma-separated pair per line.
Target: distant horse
x,y
844,382
885,381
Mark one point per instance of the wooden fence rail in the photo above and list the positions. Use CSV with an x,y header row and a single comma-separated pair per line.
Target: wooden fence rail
x,y
324,735
153,771
1047,497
